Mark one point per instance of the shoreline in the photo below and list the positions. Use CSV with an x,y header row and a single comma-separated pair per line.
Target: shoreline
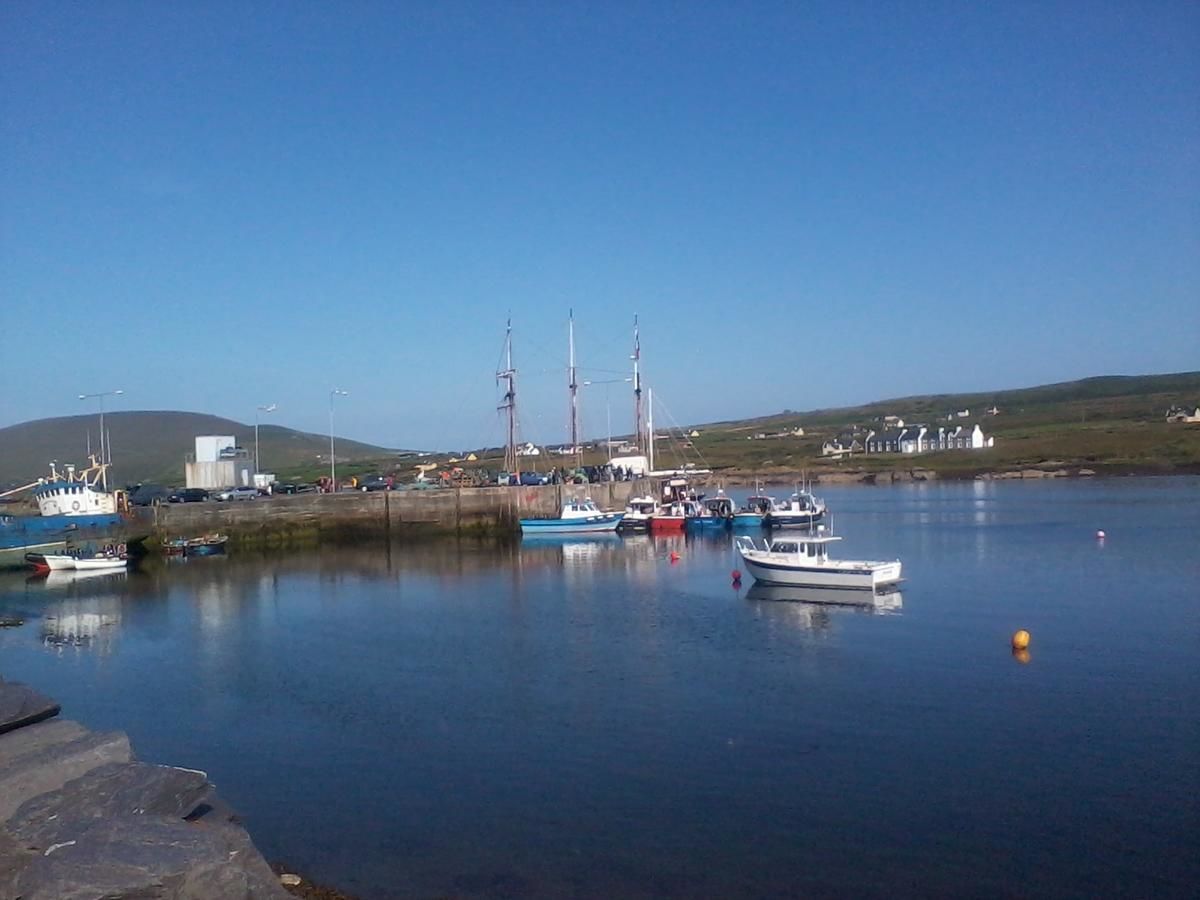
x,y
916,474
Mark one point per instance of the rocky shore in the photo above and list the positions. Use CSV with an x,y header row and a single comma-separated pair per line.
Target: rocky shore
x,y
81,818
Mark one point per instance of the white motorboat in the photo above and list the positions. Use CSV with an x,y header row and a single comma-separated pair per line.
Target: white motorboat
x,y
638,512
804,561
59,562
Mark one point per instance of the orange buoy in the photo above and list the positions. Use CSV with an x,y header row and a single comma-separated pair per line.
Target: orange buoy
x,y
1020,640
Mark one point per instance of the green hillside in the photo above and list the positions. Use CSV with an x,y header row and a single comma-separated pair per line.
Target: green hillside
x,y
152,445
1111,423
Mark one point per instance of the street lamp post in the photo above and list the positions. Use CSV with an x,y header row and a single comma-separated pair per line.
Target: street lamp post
x,y
608,409
104,459
259,409
336,392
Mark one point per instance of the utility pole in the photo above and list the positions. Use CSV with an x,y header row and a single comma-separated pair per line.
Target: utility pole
x,y
336,392
510,403
574,388
637,389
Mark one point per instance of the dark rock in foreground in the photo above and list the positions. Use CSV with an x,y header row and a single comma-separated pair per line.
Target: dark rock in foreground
x,y
21,705
80,820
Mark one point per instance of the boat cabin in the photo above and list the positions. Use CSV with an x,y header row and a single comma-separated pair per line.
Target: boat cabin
x,y
815,549
760,505
721,507
580,509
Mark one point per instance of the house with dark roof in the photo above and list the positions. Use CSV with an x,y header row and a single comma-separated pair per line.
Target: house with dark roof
x,y
846,443
922,439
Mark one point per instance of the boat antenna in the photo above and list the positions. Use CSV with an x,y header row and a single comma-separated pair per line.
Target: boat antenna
x,y
509,374
573,386
639,436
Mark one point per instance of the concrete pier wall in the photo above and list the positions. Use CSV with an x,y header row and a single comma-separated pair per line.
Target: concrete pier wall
x,y
384,512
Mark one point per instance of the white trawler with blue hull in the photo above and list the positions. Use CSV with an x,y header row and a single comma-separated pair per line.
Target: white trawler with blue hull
x,y
75,512
577,517
803,561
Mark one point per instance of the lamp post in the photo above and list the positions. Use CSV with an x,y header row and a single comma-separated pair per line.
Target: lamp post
x,y
259,409
336,392
104,459
608,409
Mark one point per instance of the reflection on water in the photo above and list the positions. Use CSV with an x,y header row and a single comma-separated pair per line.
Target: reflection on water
x,y
613,718
815,609
89,623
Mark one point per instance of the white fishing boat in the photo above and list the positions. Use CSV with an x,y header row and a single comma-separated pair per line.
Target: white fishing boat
x,y
804,561
638,513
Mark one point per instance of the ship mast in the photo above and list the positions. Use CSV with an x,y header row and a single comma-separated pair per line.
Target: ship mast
x,y
637,389
573,385
510,401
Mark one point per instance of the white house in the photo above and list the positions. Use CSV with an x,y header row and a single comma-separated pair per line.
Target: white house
x,y
1183,415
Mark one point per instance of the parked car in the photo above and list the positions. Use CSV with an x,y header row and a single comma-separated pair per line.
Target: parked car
x,y
534,478
289,487
238,493
188,495
375,483
148,495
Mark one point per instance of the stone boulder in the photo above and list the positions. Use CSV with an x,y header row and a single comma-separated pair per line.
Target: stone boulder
x,y
21,705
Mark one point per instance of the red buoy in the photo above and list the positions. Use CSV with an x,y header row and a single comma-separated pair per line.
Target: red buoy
x,y
736,575
674,557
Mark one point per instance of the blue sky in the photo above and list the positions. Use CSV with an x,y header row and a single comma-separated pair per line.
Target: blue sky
x,y
233,204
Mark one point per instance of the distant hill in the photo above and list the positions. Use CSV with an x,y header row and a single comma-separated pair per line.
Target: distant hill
x,y
1113,423
151,446
1143,393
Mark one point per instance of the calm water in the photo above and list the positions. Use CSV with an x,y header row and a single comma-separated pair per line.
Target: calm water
x,y
593,720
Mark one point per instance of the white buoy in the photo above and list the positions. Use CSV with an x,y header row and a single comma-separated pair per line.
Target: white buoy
x,y
1100,535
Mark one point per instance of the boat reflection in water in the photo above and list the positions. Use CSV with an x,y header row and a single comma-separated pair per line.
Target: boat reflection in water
x,y
87,623
812,608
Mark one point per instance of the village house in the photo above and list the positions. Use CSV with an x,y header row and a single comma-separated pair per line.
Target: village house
x,y
922,439
1184,415
845,444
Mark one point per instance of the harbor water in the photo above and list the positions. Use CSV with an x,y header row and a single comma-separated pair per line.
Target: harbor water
x,y
595,718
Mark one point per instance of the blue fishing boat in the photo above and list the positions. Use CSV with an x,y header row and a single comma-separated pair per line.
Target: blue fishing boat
x,y
713,514
754,513
76,513
577,517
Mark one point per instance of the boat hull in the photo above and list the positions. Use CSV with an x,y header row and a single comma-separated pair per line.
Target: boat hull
x,y
842,576
793,519
666,524
707,523
80,535
748,520
590,525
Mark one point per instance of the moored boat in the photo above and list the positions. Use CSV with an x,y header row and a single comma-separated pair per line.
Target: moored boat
x,y
802,510
754,513
577,517
76,513
638,513
713,514
804,561
59,562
